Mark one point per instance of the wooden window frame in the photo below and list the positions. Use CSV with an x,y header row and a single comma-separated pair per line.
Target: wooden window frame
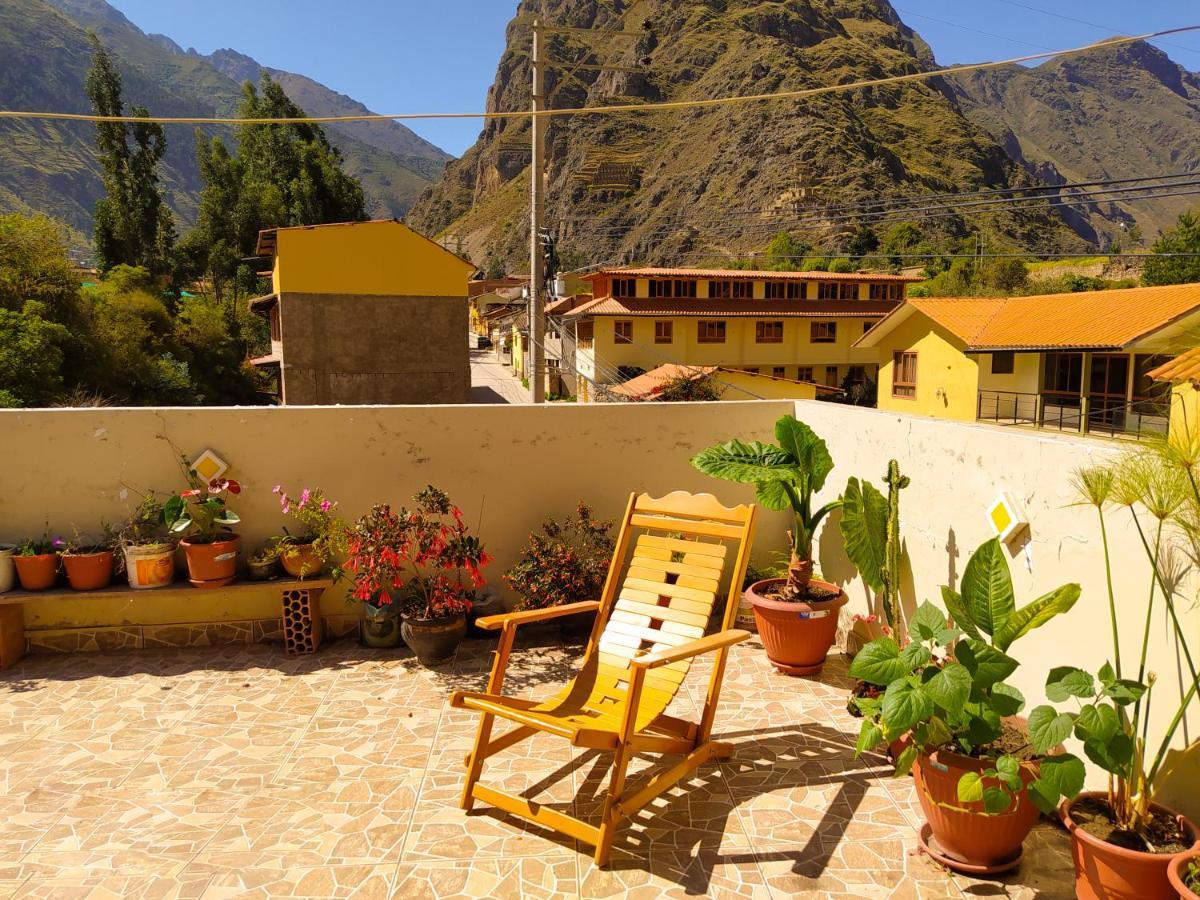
x,y
624,288
664,335
743,290
847,290
815,335
832,370
718,331
804,373
619,326
774,290
899,388
720,290
660,288
684,289
585,335
794,290
761,335
827,290
779,372
1008,356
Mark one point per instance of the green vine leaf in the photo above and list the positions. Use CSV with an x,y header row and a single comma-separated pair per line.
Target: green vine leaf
x,y
987,589
1048,728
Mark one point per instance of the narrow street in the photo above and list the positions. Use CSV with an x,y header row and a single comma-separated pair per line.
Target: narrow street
x,y
492,382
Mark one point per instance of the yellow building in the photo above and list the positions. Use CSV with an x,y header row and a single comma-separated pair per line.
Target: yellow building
x,y
365,312
1183,375
798,326
730,384
1072,362
489,294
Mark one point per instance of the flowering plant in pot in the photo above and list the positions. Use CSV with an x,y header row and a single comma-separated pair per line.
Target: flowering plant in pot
x,y
322,535
36,561
796,615
147,554
1122,840
89,565
565,562
202,514
426,561
981,774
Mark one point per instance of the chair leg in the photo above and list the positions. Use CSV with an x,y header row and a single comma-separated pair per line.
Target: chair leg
x,y
611,817
475,763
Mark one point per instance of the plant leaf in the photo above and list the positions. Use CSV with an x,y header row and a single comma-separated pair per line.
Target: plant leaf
x,y
1068,681
1099,721
1006,699
772,495
1063,774
986,664
745,462
950,687
959,612
1048,728
927,621
997,800
879,662
1106,674
987,589
904,705
864,531
1123,691
1043,795
904,762
970,788
1035,613
869,737
808,453
1008,766
1112,755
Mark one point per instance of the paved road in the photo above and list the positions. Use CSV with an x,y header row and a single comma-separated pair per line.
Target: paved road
x,y
493,382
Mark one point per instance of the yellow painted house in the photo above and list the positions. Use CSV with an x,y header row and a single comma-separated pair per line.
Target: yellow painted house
x,y
1183,375
1071,362
798,326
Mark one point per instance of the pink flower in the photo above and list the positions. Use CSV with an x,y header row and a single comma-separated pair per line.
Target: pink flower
x,y
286,508
304,497
326,506
277,489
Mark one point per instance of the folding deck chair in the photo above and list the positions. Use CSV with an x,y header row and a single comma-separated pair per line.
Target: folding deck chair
x,y
649,627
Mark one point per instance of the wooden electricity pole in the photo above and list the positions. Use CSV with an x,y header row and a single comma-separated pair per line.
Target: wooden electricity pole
x,y
537,321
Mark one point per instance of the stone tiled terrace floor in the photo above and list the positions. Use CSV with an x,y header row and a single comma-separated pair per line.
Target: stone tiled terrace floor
x,y
221,772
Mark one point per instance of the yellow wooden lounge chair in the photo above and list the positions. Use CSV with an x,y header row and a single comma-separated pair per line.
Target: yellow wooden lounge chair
x,y
648,628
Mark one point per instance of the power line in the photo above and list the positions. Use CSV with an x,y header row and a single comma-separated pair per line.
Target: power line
x,y
663,106
1065,18
990,34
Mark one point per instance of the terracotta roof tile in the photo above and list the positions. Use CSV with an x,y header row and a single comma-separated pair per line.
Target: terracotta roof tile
x,y
646,385
760,274
820,309
1184,367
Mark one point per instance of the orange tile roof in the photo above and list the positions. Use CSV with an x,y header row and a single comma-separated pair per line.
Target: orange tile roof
x,y
648,384
1184,367
819,309
667,272
1089,320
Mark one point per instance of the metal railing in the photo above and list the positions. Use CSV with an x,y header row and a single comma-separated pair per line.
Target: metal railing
x,y
1111,417
1007,408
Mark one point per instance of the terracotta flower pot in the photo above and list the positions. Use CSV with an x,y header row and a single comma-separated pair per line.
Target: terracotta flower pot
x,y
149,565
89,571
796,636
300,561
8,573
212,565
37,573
260,569
1177,869
1104,871
963,833
434,640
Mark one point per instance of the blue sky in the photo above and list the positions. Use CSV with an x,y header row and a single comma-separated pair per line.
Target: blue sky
x,y
441,55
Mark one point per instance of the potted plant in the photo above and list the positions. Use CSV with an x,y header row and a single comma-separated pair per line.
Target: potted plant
x,y
797,615
426,561
981,773
201,512
263,563
8,572
89,566
147,555
1184,875
1122,840
322,534
380,622
36,561
565,562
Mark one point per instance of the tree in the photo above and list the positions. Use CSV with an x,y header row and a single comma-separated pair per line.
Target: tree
x,y
864,241
689,387
785,252
31,356
131,223
1183,238
34,266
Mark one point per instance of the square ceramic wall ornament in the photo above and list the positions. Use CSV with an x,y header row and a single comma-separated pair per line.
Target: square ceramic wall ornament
x,y
209,466
1006,517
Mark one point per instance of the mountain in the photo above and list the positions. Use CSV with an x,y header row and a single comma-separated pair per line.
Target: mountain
x,y
702,184
51,167
1113,113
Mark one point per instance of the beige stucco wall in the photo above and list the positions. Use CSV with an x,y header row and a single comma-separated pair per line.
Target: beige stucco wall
x,y
356,349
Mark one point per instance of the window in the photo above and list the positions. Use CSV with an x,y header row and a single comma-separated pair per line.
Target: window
x,y
583,335
823,332
276,331
795,290
660,287
831,376
827,290
904,374
710,331
891,291
720,290
768,332
1064,373
779,372
804,373
664,331
1003,362
624,287
774,290
868,325
623,332
847,291
684,288
743,290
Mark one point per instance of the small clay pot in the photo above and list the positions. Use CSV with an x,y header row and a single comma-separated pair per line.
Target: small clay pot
x,y
37,573
434,640
1175,873
8,574
796,636
261,569
1104,871
300,561
89,571
214,564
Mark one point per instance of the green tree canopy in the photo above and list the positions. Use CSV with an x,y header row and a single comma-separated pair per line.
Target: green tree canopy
x,y
1183,238
785,253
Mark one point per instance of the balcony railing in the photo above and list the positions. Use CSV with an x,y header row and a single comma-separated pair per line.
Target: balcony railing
x,y
1112,417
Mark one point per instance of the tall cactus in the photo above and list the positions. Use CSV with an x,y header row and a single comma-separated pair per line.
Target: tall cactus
x,y
892,610
871,531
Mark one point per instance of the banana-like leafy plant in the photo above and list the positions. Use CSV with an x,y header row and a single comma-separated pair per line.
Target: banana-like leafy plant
x,y
784,476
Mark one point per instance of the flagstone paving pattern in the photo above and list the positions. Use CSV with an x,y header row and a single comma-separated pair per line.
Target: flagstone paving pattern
x,y
238,771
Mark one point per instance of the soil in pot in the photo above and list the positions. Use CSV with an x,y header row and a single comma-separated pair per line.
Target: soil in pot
x,y
149,566
89,571
434,641
1186,885
214,564
37,573
300,561
1111,864
796,634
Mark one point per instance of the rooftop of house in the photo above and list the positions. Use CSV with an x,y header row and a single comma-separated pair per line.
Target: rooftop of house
x,y
1090,320
818,309
649,384
1184,367
744,274
268,238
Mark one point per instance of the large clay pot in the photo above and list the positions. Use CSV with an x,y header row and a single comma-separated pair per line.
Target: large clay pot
x,y
1104,871
300,561
89,571
963,832
796,636
434,640
149,566
1175,873
214,564
37,573
381,625
8,572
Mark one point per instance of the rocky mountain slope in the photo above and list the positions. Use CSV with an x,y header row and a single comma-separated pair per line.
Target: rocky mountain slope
x,y
51,167
1124,111
698,185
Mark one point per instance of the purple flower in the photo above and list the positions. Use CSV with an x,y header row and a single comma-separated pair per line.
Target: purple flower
x,y
304,495
326,506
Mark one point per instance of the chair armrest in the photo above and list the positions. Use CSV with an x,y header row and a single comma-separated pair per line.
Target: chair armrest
x,y
538,615
691,648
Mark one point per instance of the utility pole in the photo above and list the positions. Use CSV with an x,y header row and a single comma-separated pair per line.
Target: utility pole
x,y
537,196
